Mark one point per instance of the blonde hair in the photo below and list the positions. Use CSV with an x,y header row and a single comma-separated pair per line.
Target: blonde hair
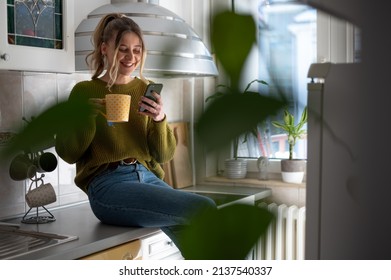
x,y
109,26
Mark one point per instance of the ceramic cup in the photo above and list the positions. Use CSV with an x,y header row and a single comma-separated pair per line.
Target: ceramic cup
x,y
41,195
45,162
117,107
22,168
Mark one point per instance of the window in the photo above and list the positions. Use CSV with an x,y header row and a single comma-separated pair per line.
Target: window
x,y
291,36
286,48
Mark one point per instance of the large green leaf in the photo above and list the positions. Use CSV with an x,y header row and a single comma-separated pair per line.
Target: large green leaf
x,y
233,36
232,115
40,132
227,234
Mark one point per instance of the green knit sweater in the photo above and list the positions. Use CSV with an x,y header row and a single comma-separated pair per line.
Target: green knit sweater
x,y
98,144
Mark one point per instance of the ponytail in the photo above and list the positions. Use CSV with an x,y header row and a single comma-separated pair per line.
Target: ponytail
x,y
112,25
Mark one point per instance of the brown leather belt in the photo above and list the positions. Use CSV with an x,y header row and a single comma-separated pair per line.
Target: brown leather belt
x,y
126,161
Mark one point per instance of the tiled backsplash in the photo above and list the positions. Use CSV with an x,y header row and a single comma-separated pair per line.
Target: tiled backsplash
x,y
25,95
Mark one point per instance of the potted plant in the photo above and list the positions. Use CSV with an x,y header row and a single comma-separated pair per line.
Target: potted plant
x,y
236,168
292,170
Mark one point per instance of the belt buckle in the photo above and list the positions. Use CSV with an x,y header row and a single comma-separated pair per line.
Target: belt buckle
x,y
122,162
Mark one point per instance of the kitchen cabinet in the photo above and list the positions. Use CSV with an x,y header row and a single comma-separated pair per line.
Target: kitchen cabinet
x,y
159,247
155,247
127,251
16,56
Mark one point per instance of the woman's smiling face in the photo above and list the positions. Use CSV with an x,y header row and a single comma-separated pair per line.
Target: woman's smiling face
x,y
129,53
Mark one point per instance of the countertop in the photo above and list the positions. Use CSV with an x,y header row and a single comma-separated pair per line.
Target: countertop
x,y
93,236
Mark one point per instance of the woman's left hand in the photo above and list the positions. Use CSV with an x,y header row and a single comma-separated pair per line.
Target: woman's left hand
x,y
153,109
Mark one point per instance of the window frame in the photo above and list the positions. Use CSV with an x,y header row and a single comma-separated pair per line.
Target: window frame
x,y
335,43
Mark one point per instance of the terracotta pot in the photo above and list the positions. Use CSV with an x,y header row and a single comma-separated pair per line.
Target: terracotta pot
x,y
292,170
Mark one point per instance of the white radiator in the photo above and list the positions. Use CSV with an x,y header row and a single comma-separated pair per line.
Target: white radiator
x,y
284,238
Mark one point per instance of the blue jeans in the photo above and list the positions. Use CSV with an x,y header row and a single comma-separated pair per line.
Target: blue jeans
x,y
134,196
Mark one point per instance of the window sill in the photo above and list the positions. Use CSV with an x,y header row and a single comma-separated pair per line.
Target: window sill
x,y
251,182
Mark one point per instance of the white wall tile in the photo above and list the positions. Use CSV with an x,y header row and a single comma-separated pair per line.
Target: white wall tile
x,y
11,192
39,93
10,100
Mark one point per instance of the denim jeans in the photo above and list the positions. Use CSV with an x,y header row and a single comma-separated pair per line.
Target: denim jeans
x,y
133,196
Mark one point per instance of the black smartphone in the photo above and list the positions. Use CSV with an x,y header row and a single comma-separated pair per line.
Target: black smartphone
x,y
149,92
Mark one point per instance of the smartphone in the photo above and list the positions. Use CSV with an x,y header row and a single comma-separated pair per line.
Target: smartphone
x,y
149,92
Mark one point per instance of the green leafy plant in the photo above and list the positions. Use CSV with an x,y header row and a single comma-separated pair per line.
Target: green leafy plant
x,y
226,234
293,131
228,90
232,231
40,132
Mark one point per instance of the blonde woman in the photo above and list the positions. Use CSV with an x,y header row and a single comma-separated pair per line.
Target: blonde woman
x,y
118,167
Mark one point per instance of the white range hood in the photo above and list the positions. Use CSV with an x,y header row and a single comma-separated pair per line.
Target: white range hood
x,y
173,47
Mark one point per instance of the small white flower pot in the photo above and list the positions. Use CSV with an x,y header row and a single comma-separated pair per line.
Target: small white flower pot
x,y
293,170
235,168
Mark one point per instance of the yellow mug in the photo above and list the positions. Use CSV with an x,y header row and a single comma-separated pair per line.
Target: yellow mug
x,y
117,107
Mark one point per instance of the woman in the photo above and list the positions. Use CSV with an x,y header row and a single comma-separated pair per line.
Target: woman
x,y
119,166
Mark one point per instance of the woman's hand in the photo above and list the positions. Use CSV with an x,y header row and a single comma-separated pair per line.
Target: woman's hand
x,y
153,109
